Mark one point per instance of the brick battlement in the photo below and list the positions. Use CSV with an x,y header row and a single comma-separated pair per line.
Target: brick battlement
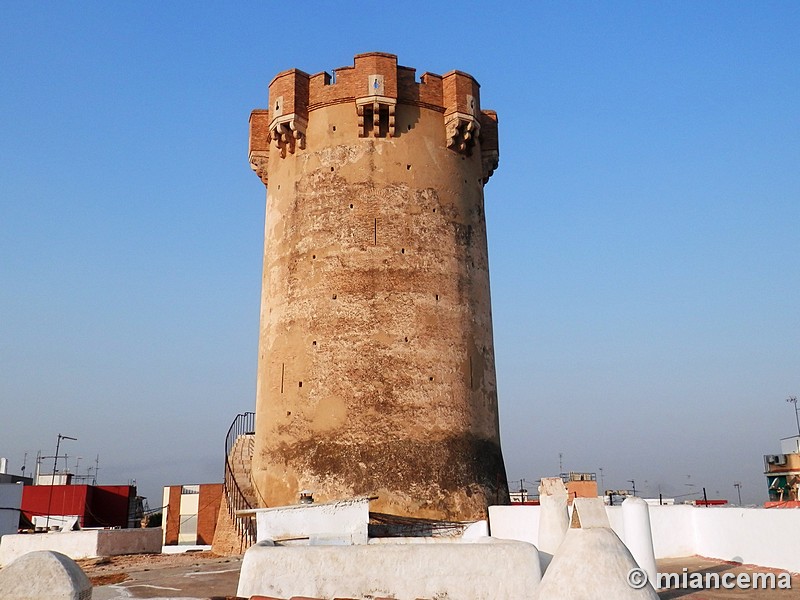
x,y
303,92
375,85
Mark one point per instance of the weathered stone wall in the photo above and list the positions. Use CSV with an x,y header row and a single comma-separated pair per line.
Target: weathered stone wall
x,y
376,364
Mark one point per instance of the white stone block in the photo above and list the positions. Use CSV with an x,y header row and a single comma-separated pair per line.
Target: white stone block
x,y
479,570
591,563
44,574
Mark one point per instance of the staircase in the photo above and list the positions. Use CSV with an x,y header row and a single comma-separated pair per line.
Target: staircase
x,y
235,534
241,461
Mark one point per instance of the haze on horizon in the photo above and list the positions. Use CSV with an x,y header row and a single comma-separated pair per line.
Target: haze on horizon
x,y
642,228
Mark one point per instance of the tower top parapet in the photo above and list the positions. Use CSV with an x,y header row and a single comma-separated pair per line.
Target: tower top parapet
x,y
375,85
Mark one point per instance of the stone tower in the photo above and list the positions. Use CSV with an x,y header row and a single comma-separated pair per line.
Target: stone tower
x,y
376,367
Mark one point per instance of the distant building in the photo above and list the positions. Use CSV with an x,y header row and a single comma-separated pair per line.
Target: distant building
x,y
783,474
580,485
190,513
6,477
660,501
94,505
54,479
521,496
10,502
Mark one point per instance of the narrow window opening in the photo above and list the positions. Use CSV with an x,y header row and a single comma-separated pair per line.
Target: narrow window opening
x,y
430,378
437,297
313,256
434,210
334,296
299,384
288,413
283,370
368,121
314,343
409,127
351,206
334,127
406,338
383,122
332,172
402,250
408,167
375,233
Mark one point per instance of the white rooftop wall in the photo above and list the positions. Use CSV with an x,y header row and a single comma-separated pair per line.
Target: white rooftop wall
x,y
759,536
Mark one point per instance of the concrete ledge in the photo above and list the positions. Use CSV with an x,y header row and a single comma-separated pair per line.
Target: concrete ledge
x,y
184,549
89,543
482,570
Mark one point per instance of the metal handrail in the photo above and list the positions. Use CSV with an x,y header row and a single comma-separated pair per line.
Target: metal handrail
x,y
243,424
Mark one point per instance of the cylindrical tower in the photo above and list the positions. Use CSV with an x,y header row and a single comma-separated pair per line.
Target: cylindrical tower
x,y
376,364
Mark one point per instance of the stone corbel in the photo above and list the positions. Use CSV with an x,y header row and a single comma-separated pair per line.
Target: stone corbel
x,y
380,105
489,161
288,132
258,162
462,131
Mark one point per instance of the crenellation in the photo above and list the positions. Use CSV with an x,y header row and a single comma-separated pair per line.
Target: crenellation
x,y
430,92
375,84
259,143
460,94
288,95
325,90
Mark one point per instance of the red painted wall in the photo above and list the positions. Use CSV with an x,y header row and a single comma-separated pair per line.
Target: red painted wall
x,y
97,506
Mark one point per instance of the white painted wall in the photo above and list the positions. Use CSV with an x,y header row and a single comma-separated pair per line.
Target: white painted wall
x,y
519,522
673,530
10,502
616,520
89,543
759,536
343,522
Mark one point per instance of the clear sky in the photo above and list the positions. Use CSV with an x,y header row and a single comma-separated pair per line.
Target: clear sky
x,y
643,226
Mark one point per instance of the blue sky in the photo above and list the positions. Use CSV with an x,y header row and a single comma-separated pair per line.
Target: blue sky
x,y
642,226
